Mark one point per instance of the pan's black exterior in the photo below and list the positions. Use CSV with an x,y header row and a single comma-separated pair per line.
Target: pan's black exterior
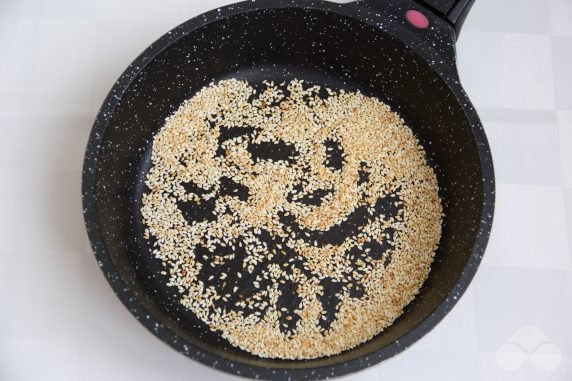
x,y
367,46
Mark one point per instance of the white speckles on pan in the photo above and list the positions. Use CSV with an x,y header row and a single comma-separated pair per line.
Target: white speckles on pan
x,y
339,46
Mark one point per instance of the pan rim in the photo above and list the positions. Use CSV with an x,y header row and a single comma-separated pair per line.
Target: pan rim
x,y
89,196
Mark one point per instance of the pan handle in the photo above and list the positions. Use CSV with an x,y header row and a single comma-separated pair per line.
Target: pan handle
x,y
454,11
438,22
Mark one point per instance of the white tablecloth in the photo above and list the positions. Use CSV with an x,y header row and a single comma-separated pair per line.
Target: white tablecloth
x,y
59,320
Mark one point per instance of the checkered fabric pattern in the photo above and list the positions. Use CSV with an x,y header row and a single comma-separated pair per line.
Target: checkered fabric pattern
x,y
59,320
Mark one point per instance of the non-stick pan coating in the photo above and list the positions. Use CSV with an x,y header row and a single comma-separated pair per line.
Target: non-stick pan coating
x,y
281,44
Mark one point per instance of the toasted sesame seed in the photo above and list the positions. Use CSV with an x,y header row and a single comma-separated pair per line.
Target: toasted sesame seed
x,y
387,257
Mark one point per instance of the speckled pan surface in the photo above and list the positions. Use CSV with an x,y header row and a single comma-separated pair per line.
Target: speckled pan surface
x,y
351,46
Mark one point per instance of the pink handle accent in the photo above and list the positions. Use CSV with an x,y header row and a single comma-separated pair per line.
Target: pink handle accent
x,y
417,19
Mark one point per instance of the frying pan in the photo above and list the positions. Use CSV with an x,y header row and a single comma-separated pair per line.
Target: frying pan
x,y
379,47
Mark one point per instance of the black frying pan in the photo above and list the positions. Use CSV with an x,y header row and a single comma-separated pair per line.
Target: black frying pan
x,y
376,46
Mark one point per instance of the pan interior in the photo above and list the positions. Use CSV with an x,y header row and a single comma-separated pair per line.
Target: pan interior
x,y
283,44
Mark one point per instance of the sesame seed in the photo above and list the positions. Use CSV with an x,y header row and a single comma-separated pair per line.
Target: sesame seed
x,y
251,180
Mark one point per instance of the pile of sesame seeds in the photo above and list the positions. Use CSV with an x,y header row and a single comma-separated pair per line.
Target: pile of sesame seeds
x,y
296,221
